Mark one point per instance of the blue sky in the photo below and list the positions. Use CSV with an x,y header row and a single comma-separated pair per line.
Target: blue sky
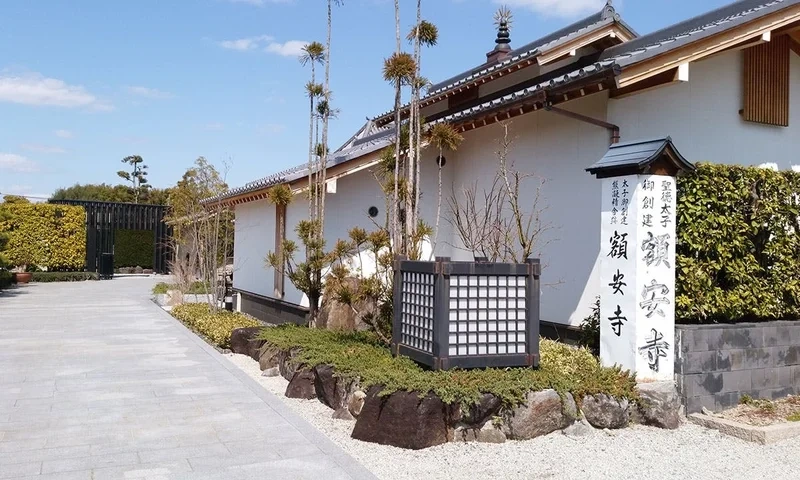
x,y
84,83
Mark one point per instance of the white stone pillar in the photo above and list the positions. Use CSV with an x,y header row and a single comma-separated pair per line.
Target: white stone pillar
x,y
637,272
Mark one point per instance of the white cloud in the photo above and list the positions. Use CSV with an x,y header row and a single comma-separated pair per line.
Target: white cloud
x,y
244,44
149,92
557,8
292,48
35,89
32,147
63,133
17,163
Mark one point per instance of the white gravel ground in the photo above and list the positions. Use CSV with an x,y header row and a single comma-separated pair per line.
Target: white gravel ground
x,y
636,453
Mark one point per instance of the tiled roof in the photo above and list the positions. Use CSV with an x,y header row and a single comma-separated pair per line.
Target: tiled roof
x,y
692,30
636,156
529,91
607,16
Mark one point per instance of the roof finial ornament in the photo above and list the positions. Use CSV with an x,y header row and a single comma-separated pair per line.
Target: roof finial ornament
x,y
503,18
609,10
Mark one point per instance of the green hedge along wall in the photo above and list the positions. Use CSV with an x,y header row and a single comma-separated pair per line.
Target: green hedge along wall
x,y
44,235
134,248
738,246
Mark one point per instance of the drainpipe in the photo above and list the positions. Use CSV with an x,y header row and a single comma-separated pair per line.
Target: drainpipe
x,y
613,129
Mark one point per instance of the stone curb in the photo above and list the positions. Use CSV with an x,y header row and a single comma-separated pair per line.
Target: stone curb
x,y
763,435
326,445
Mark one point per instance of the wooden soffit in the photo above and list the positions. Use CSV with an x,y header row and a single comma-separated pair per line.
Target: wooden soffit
x,y
709,46
612,34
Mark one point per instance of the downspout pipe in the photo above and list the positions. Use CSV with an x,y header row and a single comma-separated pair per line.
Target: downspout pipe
x,y
613,129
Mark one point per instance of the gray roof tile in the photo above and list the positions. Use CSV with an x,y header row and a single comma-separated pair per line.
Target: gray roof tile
x,y
634,157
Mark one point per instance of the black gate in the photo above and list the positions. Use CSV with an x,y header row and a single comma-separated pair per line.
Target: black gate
x,y
103,219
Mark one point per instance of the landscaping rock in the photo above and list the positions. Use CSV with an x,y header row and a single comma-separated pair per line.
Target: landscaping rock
x,y
486,434
243,342
603,411
268,356
334,315
404,420
271,372
147,271
302,385
487,406
285,363
333,391
659,405
541,414
579,429
356,403
138,270
342,414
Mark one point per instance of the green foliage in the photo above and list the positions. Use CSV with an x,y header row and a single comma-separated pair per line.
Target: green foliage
x,y
137,176
399,69
196,288
108,193
45,235
216,326
134,248
738,245
428,33
361,355
5,279
795,417
48,277
280,194
590,329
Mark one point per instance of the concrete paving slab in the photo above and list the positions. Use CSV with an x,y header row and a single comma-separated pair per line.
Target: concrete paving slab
x,y
99,382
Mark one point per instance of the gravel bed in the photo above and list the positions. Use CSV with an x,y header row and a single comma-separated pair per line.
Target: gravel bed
x,y
637,452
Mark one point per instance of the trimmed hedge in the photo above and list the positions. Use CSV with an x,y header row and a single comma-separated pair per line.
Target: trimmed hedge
x,y
5,279
133,248
361,355
48,277
214,326
196,288
738,247
45,235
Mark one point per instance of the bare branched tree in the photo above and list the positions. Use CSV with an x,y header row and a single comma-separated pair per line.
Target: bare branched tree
x,y
497,223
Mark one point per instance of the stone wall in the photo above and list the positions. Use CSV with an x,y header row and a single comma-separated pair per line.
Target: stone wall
x,y
716,364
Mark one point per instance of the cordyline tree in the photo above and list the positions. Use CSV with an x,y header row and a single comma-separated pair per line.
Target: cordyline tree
x,y
202,232
307,275
137,176
443,137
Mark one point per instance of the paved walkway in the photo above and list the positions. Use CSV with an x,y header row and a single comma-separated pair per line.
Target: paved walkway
x,y
97,382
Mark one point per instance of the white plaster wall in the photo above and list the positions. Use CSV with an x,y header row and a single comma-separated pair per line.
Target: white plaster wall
x,y
254,237
557,149
702,116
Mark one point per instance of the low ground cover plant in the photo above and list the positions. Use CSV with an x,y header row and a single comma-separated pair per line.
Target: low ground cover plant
x,y
196,288
47,277
214,325
361,355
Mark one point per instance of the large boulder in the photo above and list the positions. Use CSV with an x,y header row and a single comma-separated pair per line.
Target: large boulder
x,y
659,405
488,405
286,363
604,411
405,420
268,356
542,413
334,315
302,385
243,341
333,391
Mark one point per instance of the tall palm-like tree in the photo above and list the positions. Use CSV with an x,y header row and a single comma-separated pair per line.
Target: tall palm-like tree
x,y
426,34
313,53
325,119
397,91
442,136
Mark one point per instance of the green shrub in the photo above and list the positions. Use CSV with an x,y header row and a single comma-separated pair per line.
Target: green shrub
x,y
45,235
5,279
47,277
215,326
563,368
590,329
795,417
134,248
738,245
196,288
